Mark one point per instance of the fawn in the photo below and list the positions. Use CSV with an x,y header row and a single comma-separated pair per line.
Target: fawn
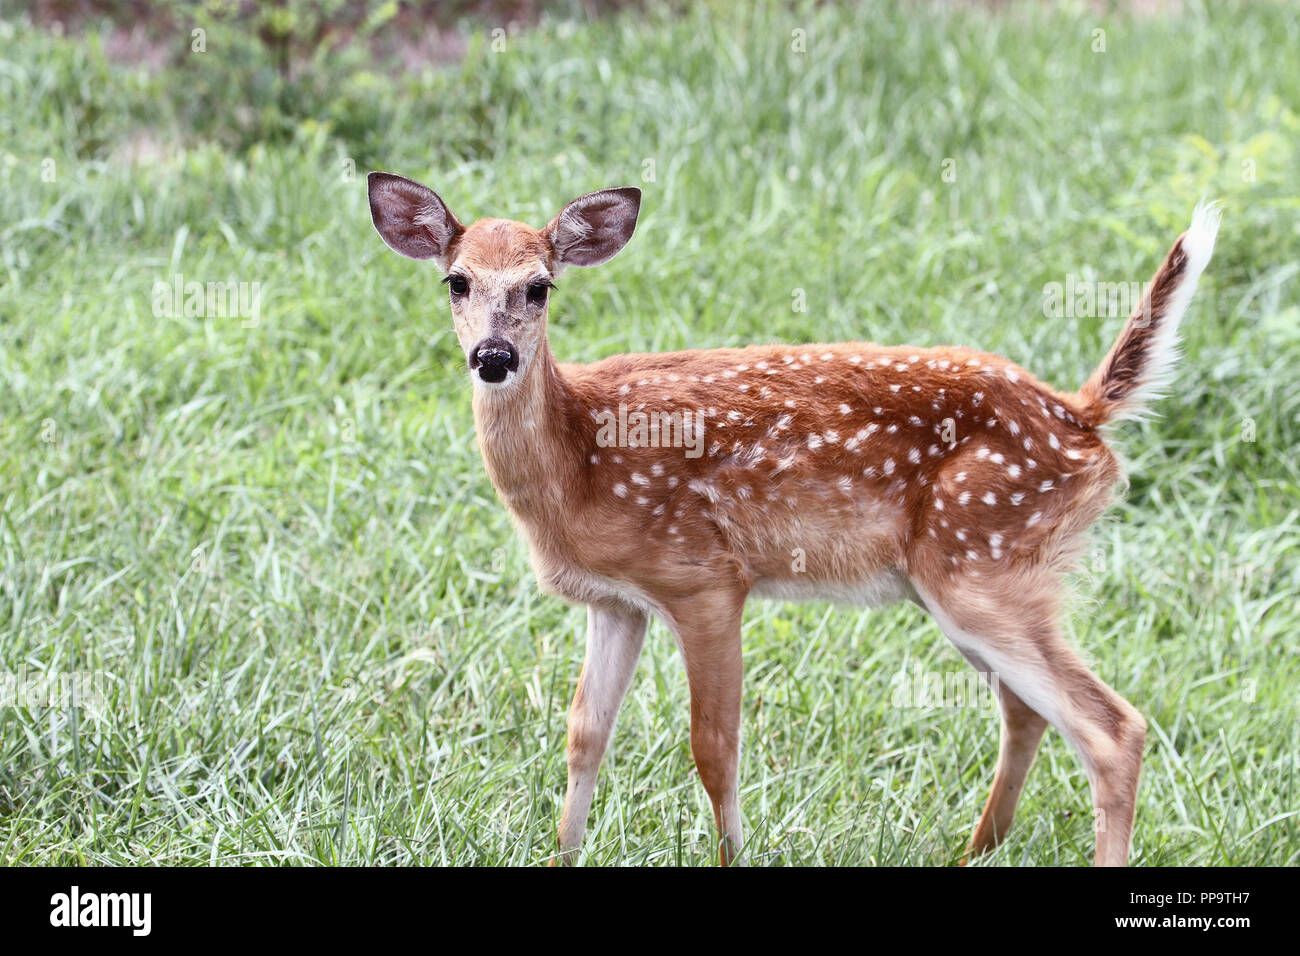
x,y
946,476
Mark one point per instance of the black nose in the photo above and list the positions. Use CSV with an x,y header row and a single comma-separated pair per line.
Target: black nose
x,y
493,358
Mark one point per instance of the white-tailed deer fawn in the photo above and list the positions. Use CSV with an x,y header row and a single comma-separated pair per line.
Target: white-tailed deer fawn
x,y
680,484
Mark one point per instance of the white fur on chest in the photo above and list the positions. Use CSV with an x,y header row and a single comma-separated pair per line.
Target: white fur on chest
x,y
585,587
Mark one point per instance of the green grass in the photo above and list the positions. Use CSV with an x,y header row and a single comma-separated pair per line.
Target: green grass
x,y
279,544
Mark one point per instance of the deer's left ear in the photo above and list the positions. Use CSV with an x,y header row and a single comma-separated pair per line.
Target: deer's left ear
x,y
593,228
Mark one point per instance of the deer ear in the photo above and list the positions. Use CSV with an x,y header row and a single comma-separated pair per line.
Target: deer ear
x,y
592,228
411,218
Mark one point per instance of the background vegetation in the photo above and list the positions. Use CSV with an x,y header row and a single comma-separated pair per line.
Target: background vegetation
x,y
275,538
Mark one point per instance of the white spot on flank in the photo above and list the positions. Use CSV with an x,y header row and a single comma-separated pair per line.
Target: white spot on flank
x,y
961,476
982,453
961,534
846,484
1018,497
814,442
1013,471
1046,485
1053,440
989,498
642,501
1034,519
892,429
620,489
938,502
963,498
888,466
1014,427
1011,375
624,389
895,388
831,437
639,479
914,455
844,409
827,356
915,420
977,398
595,459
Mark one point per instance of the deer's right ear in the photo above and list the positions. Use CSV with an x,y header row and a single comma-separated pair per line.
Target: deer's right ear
x,y
411,218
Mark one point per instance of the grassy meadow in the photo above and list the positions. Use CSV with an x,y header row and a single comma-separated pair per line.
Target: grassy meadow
x,y
270,540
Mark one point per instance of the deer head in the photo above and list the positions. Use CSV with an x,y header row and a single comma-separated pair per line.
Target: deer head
x,y
499,273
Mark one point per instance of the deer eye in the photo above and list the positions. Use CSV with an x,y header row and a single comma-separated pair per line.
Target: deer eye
x,y
458,285
537,292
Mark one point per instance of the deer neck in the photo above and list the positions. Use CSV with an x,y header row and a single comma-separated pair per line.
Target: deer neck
x,y
521,434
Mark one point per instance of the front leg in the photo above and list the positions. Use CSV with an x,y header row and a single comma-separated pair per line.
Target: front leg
x,y
614,640
708,631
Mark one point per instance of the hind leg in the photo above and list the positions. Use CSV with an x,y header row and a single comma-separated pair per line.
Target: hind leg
x,y
1022,730
1019,639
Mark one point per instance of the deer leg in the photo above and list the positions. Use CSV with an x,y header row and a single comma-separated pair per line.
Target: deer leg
x,y
1032,659
614,640
708,633
1022,729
